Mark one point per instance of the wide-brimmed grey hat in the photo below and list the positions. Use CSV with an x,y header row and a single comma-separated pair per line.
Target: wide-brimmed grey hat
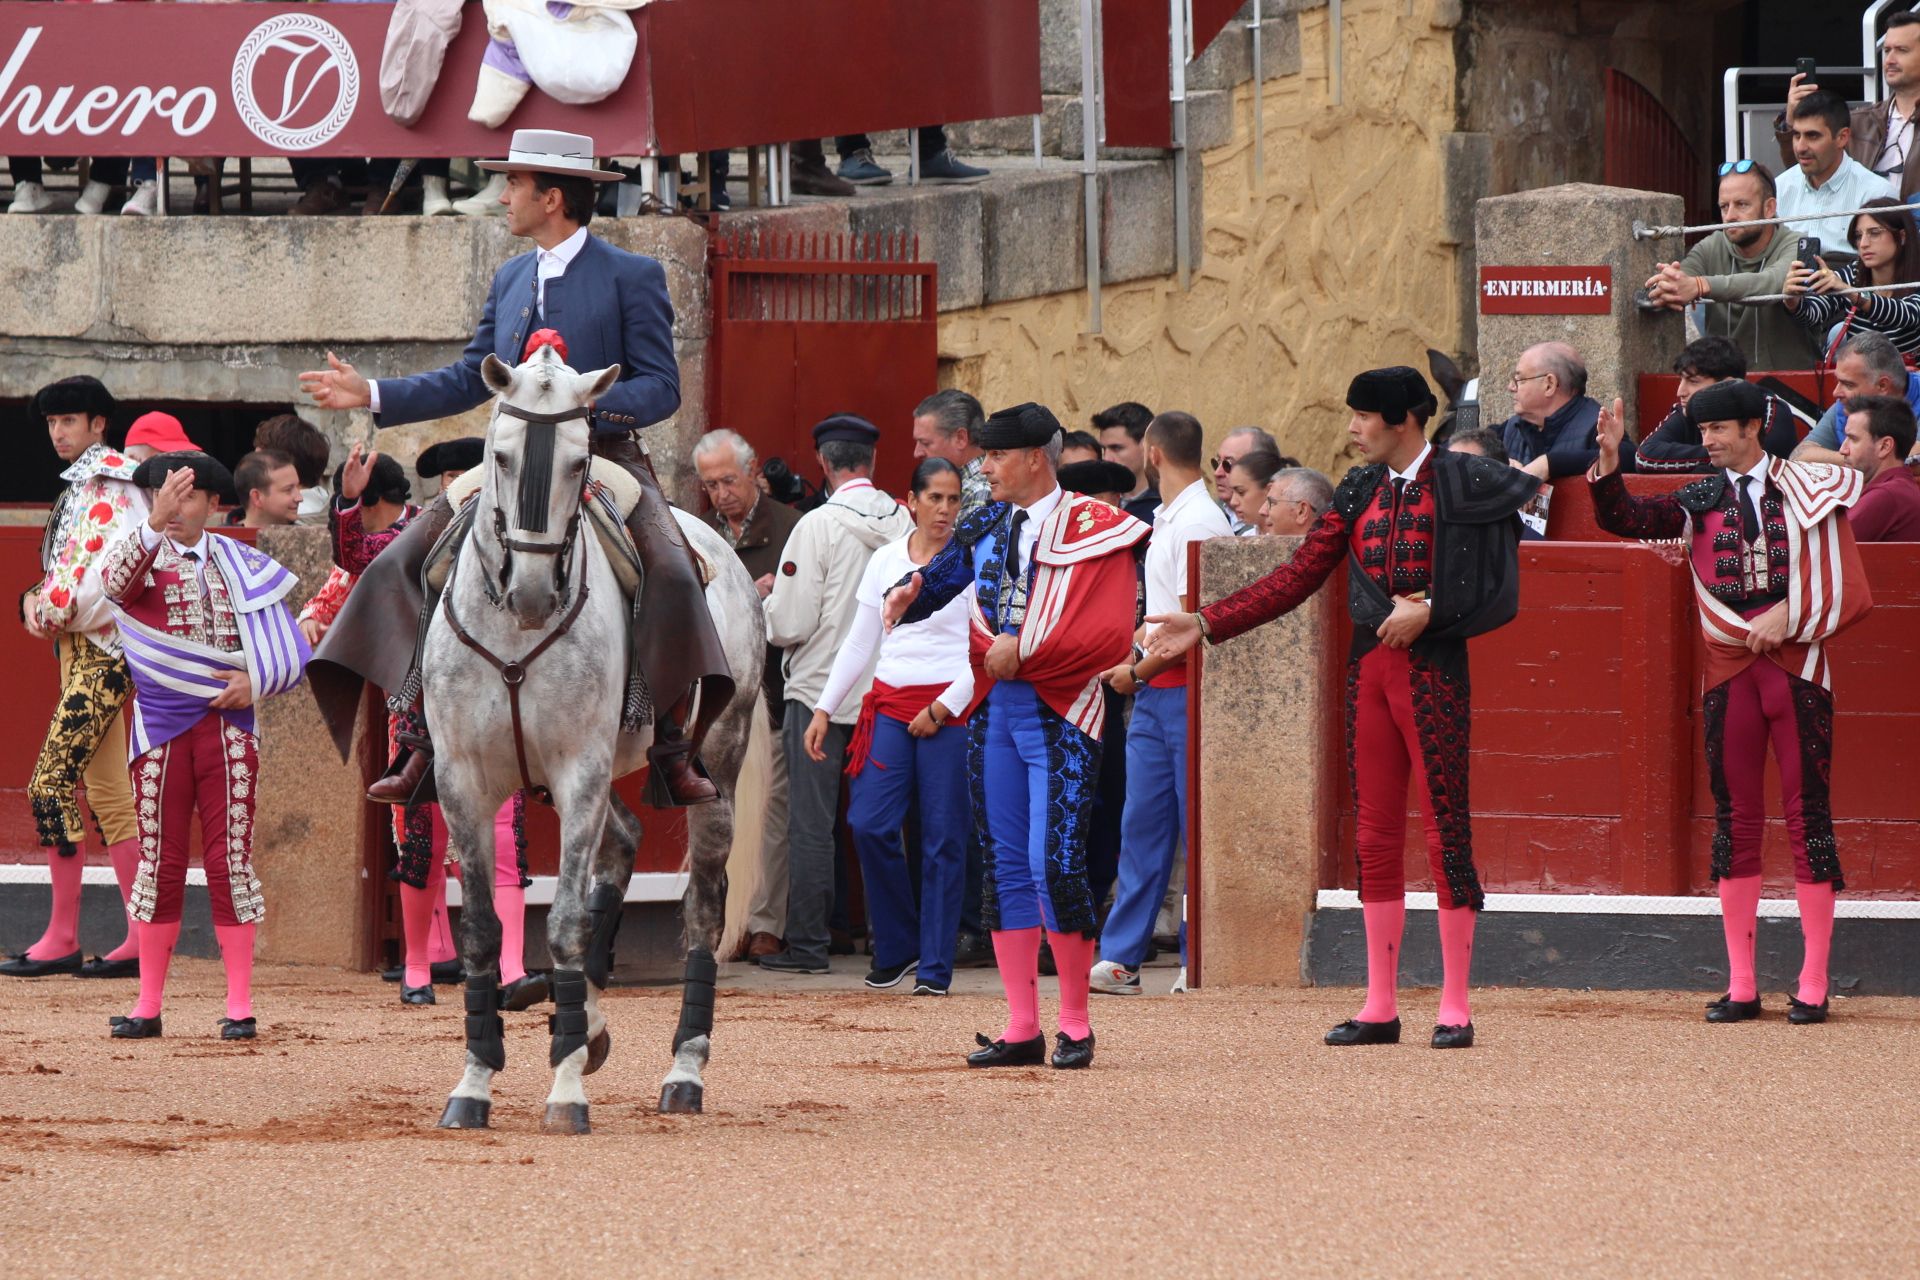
x,y
570,155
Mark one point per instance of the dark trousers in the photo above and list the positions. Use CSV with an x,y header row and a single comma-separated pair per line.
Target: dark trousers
x,y
912,921
813,819
1762,706
111,170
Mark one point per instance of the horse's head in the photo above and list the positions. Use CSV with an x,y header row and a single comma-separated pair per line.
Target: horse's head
x,y
536,475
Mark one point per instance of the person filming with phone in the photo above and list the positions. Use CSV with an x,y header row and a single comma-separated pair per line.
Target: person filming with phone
x,y
1821,298
1824,179
1882,132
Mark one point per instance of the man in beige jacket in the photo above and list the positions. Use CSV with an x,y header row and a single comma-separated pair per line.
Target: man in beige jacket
x,y
809,612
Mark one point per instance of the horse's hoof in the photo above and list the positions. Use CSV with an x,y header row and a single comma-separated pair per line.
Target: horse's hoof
x,y
565,1117
681,1098
465,1113
597,1050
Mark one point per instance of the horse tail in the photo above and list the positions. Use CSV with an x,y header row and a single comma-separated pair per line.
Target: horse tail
x,y
744,863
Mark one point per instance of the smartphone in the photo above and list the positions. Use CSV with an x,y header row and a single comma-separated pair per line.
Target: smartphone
x,y
1808,251
1804,67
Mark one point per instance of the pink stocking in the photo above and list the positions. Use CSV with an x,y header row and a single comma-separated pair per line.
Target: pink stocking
x,y
125,857
440,948
1816,929
236,953
1386,926
1456,965
156,953
1740,917
62,937
416,924
1073,958
509,899
1018,954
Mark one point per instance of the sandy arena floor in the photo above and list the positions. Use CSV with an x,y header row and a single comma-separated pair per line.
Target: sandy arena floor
x,y
1587,1133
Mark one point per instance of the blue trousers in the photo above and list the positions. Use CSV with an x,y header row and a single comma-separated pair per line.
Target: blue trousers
x,y
1036,775
900,768
1150,828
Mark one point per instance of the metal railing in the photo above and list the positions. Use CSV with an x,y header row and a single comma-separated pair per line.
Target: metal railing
x,y
1738,116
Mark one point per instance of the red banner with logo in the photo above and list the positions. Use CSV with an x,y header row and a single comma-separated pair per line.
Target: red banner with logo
x,y
1546,291
258,80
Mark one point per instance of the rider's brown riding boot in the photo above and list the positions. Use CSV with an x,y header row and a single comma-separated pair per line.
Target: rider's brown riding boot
x,y
409,769
678,779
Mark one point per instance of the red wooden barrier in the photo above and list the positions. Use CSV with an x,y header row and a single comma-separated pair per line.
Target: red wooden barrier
x,y
1656,392
1588,774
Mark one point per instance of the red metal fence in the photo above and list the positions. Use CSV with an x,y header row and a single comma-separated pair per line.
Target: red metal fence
x,y
1645,149
805,326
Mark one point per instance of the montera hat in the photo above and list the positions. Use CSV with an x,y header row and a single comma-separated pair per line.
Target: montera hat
x,y
461,454
78,394
1024,426
1391,393
208,472
161,432
1731,400
847,427
1096,477
567,155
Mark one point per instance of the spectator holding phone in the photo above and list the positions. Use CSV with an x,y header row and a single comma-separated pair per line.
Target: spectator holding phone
x,y
1730,266
1882,132
1824,179
1888,245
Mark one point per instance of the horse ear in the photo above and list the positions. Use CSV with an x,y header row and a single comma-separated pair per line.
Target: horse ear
x,y
1447,374
595,385
495,373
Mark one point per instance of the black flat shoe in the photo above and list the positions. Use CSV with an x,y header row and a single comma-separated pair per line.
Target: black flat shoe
x,y
21,967
448,973
1073,1055
101,967
1727,1009
524,992
394,974
1801,1014
1452,1037
1021,1053
416,995
1353,1031
135,1028
236,1028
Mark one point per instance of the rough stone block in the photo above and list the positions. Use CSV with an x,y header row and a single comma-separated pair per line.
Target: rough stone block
x,y
1279,46
670,443
680,244
1033,235
1466,177
1060,46
947,222
1267,792
1209,119
307,841
50,267
1577,225
1007,135
1226,62
1136,238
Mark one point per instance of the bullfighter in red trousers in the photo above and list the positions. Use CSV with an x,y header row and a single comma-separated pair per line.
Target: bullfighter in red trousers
x,y
207,635
1775,575
1431,543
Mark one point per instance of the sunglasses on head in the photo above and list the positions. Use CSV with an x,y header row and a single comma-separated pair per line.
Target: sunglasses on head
x,y
1737,166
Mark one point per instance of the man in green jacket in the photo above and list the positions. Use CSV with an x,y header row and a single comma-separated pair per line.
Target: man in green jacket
x,y
1730,266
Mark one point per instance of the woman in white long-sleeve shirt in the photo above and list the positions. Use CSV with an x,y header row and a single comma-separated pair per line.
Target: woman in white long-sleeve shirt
x,y
911,741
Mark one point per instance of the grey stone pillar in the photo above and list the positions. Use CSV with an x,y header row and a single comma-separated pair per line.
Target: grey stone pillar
x,y
1571,226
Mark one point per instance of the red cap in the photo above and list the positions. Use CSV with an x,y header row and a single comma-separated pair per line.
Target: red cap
x,y
162,431
546,338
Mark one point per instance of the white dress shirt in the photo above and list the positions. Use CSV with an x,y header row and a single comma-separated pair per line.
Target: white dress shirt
x,y
1192,516
934,651
1848,187
196,555
1413,468
548,264
1030,527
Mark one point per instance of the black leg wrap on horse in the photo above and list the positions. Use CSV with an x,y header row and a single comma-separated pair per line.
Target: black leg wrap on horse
x,y
568,1022
696,998
486,1038
604,908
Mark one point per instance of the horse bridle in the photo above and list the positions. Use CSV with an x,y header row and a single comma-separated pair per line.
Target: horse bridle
x,y
535,491
538,464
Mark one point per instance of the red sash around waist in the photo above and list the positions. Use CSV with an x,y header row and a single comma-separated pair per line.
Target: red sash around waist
x,y
901,704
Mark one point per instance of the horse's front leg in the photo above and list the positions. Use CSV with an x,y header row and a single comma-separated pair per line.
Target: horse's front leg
x,y
577,1021
710,839
470,827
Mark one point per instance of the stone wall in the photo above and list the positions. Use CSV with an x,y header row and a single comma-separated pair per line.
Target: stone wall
x,y
1342,260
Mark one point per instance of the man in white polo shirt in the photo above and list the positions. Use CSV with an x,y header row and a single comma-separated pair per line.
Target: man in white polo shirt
x,y
1155,816
1826,179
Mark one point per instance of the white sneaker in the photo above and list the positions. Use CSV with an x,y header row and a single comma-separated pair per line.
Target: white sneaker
x,y
486,201
434,201
1180,983
144,202
93,199
30,197
1111,979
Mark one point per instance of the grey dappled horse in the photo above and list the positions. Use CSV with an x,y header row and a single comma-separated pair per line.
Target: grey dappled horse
x,y
526,678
